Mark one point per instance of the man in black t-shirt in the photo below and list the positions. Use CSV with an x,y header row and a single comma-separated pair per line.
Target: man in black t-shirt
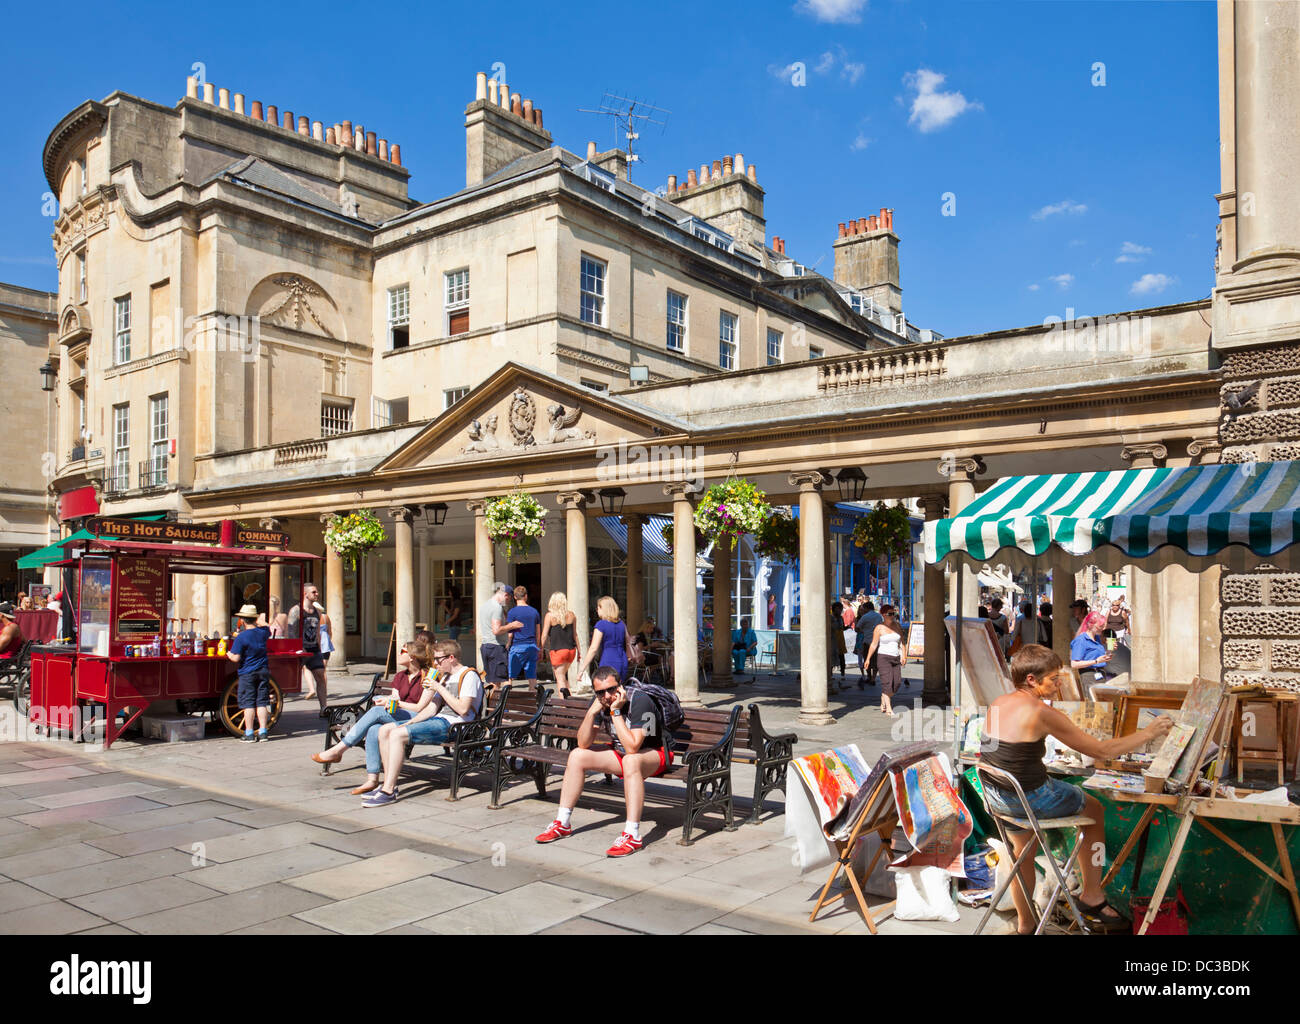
x,y
641,750
307,616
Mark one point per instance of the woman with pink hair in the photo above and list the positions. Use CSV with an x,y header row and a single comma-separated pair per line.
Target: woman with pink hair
x,y
1088,649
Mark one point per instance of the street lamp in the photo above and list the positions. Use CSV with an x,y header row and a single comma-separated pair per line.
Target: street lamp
x,y
611,500
852,482
436,513
47,377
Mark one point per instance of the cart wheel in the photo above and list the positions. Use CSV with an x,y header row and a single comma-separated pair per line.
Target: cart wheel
x,y
23,692
233,718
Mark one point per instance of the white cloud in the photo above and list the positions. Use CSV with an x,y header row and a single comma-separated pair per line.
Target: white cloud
x,y
1065,206
861,142
852,72
1033,287
1063,280
1149,284
931,108
1131,252
825,63
832,10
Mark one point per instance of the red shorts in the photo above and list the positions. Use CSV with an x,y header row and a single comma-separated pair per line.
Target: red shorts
x,y
665,761
562,657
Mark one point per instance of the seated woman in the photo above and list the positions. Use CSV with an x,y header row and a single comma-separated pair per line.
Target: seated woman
x,y
1088,651
454,695
11,636
1017,725
744,644
408,687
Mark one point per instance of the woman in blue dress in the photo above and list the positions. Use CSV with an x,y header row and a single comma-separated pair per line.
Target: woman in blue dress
x,y
610,644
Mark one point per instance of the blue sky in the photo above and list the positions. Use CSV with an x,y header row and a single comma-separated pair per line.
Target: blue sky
x,y
1068,194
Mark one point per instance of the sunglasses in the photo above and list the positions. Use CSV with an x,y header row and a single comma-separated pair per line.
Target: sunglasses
x,y
606,692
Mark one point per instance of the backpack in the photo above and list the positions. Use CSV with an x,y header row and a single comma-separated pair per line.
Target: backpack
x,y
665,702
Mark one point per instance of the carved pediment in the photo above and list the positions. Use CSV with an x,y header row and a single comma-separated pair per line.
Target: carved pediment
x,y
520,412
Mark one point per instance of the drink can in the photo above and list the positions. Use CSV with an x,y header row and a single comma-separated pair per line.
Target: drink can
x,y
392,705
128,651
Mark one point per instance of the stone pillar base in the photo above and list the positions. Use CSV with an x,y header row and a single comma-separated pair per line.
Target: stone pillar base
x,y
815,717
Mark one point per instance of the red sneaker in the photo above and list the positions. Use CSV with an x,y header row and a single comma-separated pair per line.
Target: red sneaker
x,y
626,845
556,831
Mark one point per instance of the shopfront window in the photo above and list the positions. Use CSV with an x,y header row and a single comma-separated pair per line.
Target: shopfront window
x,y
606,577
453,591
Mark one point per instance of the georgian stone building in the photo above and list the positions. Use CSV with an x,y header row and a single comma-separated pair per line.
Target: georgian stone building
x,y
256,321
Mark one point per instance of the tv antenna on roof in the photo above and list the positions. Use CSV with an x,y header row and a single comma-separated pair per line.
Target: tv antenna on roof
x,y
630,114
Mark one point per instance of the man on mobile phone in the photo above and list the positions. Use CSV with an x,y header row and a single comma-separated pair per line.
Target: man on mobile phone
x,y
641,750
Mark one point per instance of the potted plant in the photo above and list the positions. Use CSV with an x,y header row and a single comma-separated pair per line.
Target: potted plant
x,y
353,534
884,532
514,521
728,509
777,539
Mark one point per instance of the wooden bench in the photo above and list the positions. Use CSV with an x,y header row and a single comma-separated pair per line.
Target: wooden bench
x,y
702,749
469,746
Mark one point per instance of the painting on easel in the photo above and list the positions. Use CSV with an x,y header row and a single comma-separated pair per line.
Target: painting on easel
x,y
984,669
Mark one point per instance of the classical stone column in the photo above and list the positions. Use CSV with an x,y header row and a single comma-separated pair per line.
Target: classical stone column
x,y
275,579
1146,606
814,606
935,690
961,475
1206,451
554,569
686,624
1063,594
338,660
218,605
722,583
635,612
484,572
404,542
574,504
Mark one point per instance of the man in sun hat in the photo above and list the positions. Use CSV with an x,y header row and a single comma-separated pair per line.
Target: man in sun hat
x,y
248,652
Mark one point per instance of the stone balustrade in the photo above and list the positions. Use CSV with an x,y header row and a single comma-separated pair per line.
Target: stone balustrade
x,y
899,368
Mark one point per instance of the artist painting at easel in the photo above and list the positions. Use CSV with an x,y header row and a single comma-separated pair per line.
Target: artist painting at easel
x,y
1019,723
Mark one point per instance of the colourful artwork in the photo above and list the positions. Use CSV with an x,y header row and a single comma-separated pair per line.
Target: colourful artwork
x,y
1118,782
932,815
833,778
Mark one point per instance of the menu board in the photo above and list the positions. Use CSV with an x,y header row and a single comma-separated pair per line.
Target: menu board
x,y
141,598
96,576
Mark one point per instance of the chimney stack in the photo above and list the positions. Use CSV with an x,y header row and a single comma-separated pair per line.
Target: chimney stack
x,y
591,150
672,183
256,115
866,259
223,99
500,127
239,103
304,125
691,180
207,92
395,154
726,194
191,87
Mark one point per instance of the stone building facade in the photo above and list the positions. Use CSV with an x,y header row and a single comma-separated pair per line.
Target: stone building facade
x,y
1257,308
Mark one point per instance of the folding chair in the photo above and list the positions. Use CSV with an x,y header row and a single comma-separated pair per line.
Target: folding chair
x,y
1040,827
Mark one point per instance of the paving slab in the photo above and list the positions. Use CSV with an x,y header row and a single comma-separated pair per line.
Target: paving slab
x,y
180,835
50,839
9,827
54,918
139,898
160,817
393,907
362,818
767,870
674,908
105,809
283,926
259,841
107,929
362,876
224,914
522,911
90,795
587,926
275,866
111,873
16,896
40,861
32,777
617,877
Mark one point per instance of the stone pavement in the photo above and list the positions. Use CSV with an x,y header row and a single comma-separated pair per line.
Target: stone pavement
x,y
219,836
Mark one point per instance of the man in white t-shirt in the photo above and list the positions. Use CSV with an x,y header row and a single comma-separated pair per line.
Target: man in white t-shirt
x,y
453,694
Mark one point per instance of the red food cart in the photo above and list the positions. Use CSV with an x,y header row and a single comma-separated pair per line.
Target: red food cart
x,y
130,577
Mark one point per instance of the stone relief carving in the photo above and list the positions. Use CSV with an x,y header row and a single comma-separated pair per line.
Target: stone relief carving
x,y
481,440
523,417
562,425
295,310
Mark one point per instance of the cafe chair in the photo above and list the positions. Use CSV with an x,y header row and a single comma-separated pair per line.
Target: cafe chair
x,y
1039,827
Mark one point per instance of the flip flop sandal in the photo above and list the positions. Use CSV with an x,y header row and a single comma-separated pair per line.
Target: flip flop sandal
x,y
1093,914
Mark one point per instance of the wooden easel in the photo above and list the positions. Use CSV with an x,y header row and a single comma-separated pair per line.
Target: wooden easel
x,y
881,817
390,659
1188,808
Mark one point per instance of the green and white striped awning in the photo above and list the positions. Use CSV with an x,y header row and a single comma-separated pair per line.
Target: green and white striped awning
x,y
1198,516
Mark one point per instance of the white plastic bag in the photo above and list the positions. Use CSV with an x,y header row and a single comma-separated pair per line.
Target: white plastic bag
x,y
1002,871
924,894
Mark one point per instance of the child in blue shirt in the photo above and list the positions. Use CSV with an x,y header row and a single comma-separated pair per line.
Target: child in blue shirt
x,y
248,652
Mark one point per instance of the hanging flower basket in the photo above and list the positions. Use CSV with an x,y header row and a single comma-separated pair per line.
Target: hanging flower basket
x,y
352,535
777,539
728,509
700,540
884,532
515,521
